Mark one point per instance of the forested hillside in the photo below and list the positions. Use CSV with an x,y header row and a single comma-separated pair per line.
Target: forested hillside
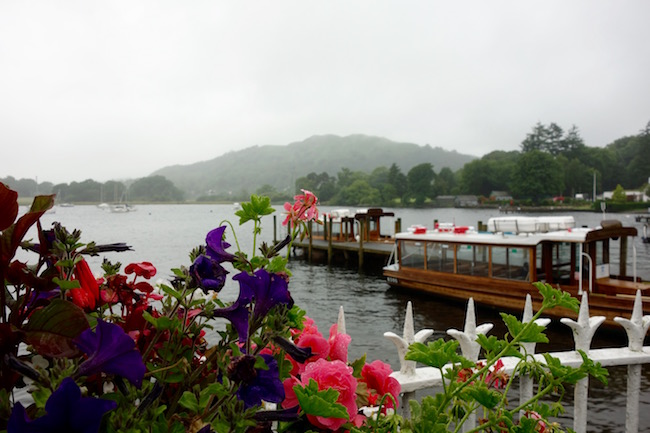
x,y
280,166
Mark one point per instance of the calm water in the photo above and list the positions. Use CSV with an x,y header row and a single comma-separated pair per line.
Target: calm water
x,y
165,234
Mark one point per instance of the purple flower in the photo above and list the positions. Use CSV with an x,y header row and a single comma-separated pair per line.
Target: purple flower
x,y
237,314
261,384
267,290
66,411
208,274
110,350
216,246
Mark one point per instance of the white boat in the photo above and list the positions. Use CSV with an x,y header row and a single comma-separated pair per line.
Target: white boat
x,y
497,267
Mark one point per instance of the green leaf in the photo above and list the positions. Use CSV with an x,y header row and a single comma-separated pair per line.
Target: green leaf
x,y
214,389
66,284
436,354
357,366
527,333
188,401
320,403
556,298
254,209
277,264
51,329
171,292
484,396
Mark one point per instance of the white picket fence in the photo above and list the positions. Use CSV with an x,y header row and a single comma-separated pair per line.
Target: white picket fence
x,y
633,356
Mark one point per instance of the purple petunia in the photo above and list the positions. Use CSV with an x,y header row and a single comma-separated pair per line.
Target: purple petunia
x,y
216,246
110,350
66,411
238,315
262,385
208,274
265,289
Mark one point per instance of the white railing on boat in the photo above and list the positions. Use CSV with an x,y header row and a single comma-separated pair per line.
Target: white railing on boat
x,y
412,378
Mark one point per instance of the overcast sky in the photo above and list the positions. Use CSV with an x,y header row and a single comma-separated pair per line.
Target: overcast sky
x,y
117,89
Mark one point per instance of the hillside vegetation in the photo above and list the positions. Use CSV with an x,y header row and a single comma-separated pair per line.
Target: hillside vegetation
x,y
280,166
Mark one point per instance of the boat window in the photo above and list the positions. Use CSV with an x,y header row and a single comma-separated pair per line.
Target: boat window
x,y
510,263
440,257
562,263
412,254
472,260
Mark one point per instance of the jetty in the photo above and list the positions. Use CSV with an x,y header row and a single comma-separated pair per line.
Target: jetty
x,y
352,238
643,218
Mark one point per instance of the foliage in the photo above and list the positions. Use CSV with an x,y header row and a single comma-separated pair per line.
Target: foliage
x,y
154,188
116,354
618,196
282,166
482,388
420,182
536,176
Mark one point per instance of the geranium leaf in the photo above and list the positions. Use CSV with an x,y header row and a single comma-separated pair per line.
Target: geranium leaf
x,y
51,329
533,334
320,403
484,396
436,354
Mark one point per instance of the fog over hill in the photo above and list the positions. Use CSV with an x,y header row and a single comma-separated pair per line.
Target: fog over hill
x,y
280,165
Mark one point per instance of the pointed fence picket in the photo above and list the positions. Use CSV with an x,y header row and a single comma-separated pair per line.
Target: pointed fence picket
x,y
413,379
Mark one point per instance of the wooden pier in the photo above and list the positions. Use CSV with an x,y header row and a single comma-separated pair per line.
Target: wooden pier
x,y
355,240
642,218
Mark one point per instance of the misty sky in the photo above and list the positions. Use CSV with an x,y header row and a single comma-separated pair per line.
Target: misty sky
x,y
117,89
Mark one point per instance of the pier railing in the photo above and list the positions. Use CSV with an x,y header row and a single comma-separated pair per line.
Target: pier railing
x,y
413,378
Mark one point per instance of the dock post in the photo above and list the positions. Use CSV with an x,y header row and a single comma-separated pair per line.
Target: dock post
x,y
325,231
330,252
398,225
623,259
309,226
275,229
361,233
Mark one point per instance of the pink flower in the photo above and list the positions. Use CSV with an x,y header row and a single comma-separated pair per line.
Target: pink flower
x,y
338,345
304,209
328,374
541,425
320,349
377,376
497,376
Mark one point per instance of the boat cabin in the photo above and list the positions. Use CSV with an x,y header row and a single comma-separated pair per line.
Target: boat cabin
x,y
348,226
523,249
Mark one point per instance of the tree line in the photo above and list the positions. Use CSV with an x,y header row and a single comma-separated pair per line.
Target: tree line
x,y
551,162
146,189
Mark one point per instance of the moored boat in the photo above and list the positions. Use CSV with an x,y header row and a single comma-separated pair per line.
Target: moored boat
x,y
497,267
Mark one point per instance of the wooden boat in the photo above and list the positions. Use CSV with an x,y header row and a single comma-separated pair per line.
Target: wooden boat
x,y
497,267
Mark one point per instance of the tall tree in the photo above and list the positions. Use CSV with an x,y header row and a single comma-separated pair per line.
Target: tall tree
x,y
398,180
537,176
420,182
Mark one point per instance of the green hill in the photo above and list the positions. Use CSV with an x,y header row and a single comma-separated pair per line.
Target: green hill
x,y
279,166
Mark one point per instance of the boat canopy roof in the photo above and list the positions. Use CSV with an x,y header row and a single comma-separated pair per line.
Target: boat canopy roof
x,y
563,230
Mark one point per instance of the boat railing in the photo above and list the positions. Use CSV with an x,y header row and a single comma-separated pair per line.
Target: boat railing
x,y
413,378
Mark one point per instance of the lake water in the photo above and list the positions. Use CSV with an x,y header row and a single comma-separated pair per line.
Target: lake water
x,y
165,234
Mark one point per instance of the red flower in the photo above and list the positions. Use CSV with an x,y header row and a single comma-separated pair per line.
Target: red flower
x,y
142,269
87,295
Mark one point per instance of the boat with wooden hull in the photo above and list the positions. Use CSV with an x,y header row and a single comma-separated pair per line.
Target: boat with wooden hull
x,y
497,267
